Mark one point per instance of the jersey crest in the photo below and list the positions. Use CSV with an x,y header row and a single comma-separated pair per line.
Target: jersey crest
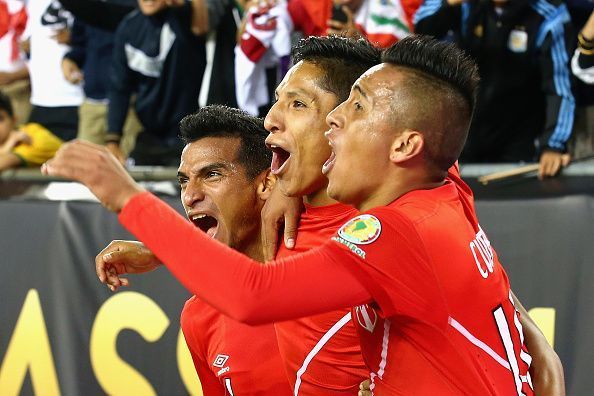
x,y
362,230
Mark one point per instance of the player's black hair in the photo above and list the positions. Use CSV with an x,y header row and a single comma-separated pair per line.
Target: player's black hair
x,y
444,82
342,59
439,59
223,121
6,104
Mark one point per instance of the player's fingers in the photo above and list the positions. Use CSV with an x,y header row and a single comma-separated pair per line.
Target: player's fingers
x,y
103,259
270,244
124,281
269,239
290,232
565,159
100,269
112,277
365,385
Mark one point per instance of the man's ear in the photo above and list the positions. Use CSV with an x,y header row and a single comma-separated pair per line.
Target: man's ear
x,y
266,184
406,146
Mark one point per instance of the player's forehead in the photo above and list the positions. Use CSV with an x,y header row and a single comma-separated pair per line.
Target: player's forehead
x,y
379,82
303,79
210,151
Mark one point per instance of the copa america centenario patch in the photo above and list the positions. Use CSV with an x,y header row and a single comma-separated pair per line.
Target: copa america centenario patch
x,y
361,230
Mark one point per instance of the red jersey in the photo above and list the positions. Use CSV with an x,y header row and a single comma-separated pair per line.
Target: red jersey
x,y
442,321
232,358
435,315
327,359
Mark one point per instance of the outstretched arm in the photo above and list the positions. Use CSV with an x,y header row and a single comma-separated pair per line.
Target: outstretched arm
x,y
238,286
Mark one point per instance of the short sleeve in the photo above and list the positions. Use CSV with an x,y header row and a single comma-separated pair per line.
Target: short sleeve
x,y
393,265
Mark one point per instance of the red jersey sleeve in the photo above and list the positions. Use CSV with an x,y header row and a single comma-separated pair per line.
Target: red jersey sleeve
x,y
393,265
243,289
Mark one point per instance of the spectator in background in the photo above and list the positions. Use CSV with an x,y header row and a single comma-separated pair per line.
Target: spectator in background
x,y
266,35
14,75
582,65
160,56
525,107
102,14
381,22
29,145
87,63
55,100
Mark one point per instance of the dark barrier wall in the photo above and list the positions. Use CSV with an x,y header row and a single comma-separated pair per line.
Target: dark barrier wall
x,y
62,332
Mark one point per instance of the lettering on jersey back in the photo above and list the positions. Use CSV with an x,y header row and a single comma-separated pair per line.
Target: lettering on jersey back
x,y
483,253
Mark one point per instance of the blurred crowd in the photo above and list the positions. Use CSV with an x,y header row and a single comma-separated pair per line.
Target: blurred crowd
x,y
123,73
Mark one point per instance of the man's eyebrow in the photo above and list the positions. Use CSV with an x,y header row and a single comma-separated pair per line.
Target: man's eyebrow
x,y
205,169
212,166
357,87
295,92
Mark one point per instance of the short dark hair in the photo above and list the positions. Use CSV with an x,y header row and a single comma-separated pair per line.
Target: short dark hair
x,y
442,81
342,59
6,104
226,122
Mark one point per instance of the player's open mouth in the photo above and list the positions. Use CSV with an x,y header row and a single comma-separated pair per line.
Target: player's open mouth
x,y
280,158
206,223
329,163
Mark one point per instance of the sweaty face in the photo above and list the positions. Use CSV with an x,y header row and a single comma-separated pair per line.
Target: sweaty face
x,y
216,194
296,123
151,7
361,133
7,124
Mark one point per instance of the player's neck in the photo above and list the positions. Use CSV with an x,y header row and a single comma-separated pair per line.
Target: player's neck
x,y
253,248
319,198
394,188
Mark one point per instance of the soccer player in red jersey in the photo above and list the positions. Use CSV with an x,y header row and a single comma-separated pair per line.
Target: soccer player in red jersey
x,y
327,359
225,179
438,311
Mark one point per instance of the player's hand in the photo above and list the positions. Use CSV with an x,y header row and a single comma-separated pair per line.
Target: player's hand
x,y
71,71
123,257
95,167
551,163
280,213
347,28
364,388
114,149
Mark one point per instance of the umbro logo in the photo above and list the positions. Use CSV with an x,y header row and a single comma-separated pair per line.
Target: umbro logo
x,y
220,360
